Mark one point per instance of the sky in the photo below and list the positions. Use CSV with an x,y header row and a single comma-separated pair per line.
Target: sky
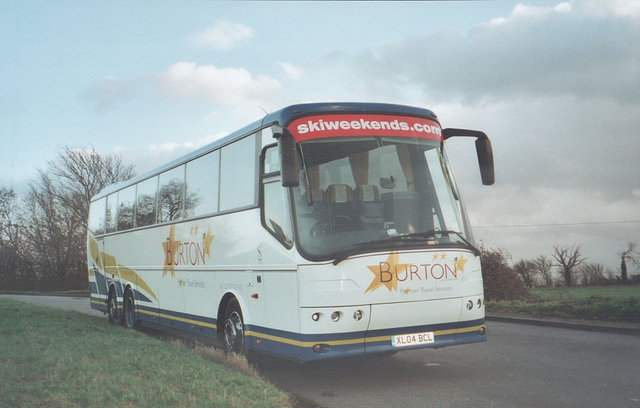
x,y
555,85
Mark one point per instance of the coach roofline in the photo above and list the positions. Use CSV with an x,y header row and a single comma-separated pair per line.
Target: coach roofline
x,y
285,115
280,117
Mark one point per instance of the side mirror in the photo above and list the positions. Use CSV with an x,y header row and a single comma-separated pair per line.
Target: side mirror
x,y
483,149
288,159
485,160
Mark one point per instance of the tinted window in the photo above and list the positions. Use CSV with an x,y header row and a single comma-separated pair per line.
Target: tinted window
x,y
171,195
271,160
112,210
96,216
203,175
238,179
126,200
146,202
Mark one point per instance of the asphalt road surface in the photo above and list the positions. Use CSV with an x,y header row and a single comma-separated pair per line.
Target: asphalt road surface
x,y
519,366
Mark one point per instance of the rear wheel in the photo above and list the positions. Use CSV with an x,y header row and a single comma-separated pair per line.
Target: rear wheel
x,y
129,311
234,339
112,308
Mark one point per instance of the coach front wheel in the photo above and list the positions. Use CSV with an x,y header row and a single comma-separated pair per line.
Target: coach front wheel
x,y
234,340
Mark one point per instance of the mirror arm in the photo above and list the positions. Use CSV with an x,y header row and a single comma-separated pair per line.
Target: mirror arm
x,y
483,149
452,132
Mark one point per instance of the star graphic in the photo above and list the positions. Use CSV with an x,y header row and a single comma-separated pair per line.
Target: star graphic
x,y
170,247
206,242
406,291
385,273
443,256
459,263
435,257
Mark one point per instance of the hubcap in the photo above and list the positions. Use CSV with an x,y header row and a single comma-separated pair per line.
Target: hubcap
x,y
234,333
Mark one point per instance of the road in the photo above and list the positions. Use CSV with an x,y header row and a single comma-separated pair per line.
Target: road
x,y
519,366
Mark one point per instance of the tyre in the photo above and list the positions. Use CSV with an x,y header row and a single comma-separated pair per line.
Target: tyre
x,y
129,310
112,308
234,339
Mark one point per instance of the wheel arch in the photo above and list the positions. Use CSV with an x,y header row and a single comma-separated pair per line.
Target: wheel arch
x,y
129,286
222,307
113,288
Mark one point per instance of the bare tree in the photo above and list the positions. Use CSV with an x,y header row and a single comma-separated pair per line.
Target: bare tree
x,y
56,209
543,265
591,274
174,200
527,272
630,254
9,234
80,173
7,204
568,258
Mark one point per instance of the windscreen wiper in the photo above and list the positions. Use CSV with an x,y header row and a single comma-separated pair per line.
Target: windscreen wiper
x,y
412,237
468,243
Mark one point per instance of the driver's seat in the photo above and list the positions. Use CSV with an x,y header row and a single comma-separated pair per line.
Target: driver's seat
x,y
339,197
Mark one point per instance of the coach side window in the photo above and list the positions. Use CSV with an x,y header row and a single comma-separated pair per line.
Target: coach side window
x,y
146,202
96,216
171,195
271,161
126,201
203,176
112,210
238,174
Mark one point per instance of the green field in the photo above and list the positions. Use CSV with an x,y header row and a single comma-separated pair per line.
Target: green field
x,y
604,303
582,292
58,358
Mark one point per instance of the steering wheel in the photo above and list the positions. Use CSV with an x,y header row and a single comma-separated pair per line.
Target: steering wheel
x,y
320,227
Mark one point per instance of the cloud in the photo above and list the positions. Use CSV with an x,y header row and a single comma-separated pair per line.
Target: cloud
x,y
106,93
563,50
154,155
625,8
571,49
528,221
224,35
187,81
549,144
293,72
559,160
229,86
175,149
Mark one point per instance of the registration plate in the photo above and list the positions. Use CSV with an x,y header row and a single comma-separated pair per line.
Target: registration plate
x,y
413,339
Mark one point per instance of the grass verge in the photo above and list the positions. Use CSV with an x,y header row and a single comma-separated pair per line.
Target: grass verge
x,y
606,303
78,293
58,358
